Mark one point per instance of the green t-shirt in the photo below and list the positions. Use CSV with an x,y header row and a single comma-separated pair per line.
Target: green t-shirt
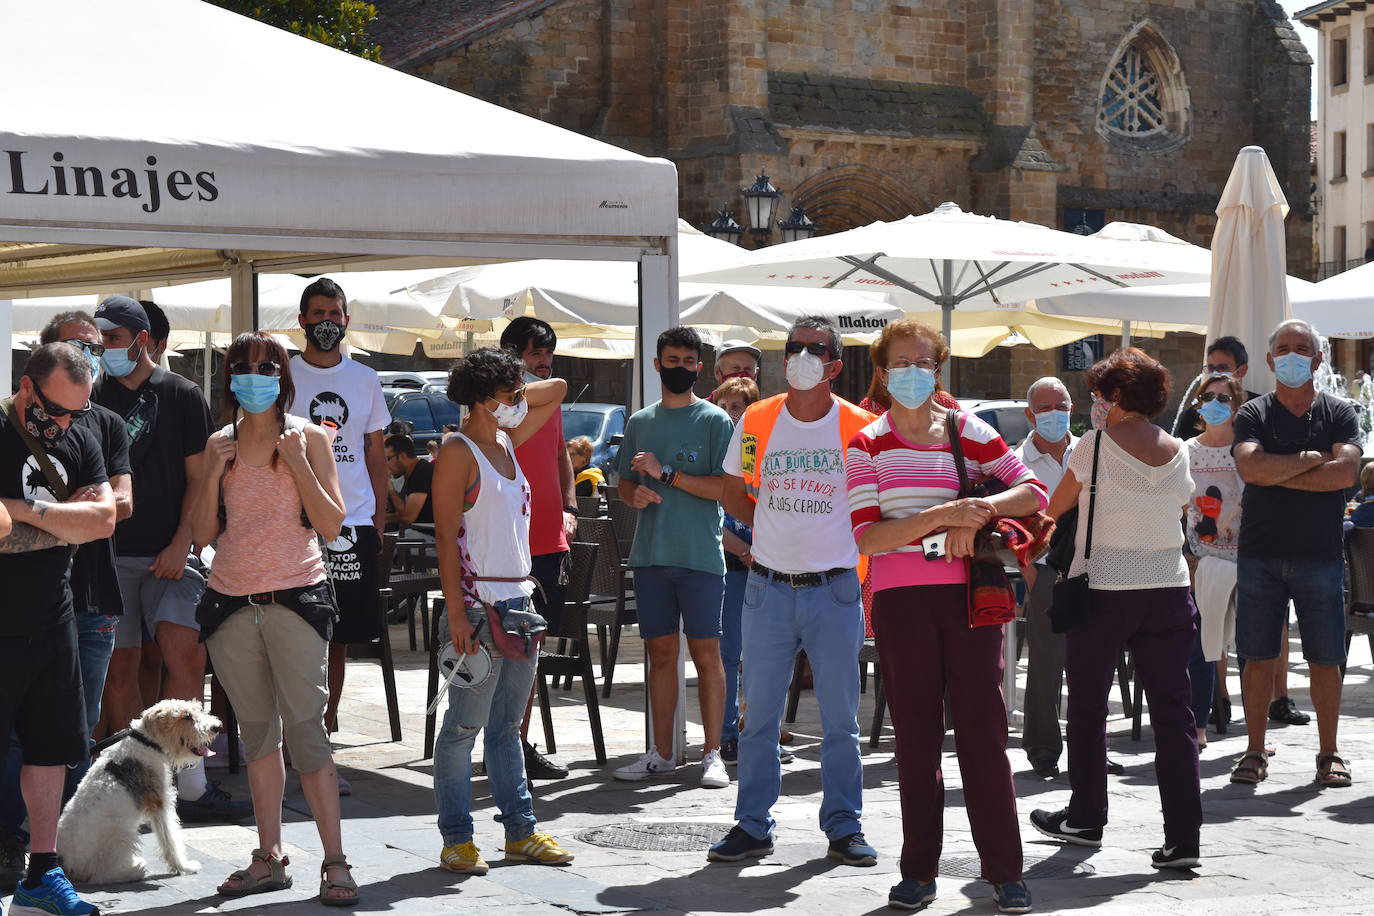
x,y
683,530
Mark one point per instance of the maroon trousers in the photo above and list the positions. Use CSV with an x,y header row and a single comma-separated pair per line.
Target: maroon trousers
x,y
925,645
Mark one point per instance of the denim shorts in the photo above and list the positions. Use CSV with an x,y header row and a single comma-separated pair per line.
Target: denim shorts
x,y
670,598
1265,585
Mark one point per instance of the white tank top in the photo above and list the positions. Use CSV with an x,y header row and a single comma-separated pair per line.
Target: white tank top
x,y
495,537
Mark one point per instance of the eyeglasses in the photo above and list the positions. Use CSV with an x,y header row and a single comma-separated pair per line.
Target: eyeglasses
x,y
1213,396
815,349
927,364
94,349
263,368
56,411
1219,370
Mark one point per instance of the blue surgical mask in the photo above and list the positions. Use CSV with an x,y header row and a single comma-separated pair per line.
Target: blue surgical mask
x,y
1293,370
95,364
911,386
255,393
1052,425
1215,412
117,361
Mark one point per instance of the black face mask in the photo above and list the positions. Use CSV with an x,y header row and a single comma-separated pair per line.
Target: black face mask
x,y
325,334
41,426
677,379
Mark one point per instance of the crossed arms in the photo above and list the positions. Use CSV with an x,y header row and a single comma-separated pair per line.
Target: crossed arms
x,y
1311,471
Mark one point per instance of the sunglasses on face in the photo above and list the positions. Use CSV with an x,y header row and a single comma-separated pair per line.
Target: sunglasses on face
x,y
1213,396
263,368
94,349
815,349
515,396
56,411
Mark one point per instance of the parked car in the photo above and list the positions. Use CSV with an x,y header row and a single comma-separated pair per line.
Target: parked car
x,y
604,424
418,381
426,411
1006,416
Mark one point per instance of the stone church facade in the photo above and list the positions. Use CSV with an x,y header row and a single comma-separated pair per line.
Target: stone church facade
x,y
1068,113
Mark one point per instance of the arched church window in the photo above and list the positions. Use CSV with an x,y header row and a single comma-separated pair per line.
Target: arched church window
x,y
1144,99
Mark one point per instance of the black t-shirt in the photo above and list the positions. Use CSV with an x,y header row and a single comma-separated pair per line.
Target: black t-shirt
x,y
37,593
167,421
1186,427
421,480
95,583
1279,521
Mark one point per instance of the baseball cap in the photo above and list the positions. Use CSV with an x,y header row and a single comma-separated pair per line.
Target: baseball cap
x,y
121,312
732,346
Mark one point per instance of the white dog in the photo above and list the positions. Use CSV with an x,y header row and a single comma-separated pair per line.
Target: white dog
x,y
131,784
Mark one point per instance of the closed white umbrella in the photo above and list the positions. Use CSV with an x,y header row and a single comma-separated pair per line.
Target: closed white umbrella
x,y
1249,254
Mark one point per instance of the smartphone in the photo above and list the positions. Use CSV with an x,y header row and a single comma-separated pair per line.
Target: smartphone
x,y
933,545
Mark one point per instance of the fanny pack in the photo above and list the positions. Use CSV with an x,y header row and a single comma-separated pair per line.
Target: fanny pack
x,y
515,631
314,603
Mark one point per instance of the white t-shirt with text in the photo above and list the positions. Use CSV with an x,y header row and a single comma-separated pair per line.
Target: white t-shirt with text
x,y
801,521
348,398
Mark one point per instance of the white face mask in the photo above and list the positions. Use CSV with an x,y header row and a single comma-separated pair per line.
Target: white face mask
x,y
509,416
804,371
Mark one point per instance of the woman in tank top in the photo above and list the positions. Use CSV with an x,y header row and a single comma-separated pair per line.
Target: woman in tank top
x,y
482,531
269,492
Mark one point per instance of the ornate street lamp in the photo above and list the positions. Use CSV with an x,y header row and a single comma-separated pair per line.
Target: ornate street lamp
x,y
762,200
725,228
797,226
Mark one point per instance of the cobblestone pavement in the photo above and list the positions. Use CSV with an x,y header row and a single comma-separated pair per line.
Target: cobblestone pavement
x,y
1282,847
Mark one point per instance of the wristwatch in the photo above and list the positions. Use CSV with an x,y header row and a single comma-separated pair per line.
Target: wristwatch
x,y
666,475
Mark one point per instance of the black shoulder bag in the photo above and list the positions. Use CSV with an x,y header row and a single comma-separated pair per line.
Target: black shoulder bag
x,y
1072,607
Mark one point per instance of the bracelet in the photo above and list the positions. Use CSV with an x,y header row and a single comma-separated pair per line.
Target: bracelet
x,y
572,510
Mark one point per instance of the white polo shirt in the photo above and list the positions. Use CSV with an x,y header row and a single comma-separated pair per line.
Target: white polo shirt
x,y
1046,469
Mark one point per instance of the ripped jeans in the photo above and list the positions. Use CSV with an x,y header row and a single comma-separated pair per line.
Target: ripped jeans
x,y
497,705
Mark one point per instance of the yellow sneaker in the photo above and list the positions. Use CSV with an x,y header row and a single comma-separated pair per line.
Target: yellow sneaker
x,y
539,848
464,858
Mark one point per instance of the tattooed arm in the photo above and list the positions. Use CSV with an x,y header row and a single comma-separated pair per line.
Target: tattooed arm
x,y
85,517
25,538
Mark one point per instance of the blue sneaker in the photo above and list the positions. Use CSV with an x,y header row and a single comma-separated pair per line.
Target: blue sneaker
x,y
739,845
852,850
1013,897
911,894
54,897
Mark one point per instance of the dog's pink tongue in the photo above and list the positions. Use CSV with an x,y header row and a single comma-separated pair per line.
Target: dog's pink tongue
x,y
204,752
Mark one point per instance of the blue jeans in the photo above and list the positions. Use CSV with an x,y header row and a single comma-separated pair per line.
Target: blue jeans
x,y
827,621
1264,586
1202,675
95,642
498,704
731,644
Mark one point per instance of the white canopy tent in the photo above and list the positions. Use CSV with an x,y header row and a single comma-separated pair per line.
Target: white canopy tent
x,y
1340,306
238,148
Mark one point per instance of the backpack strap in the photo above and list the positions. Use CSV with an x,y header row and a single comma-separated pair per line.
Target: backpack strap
x,y
40,455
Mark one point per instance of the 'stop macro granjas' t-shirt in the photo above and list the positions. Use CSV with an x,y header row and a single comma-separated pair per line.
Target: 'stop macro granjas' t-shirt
x,y
348,399
1280,521
167,421
37,592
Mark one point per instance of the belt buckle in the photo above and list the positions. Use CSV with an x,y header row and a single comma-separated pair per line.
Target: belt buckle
x,y
260,599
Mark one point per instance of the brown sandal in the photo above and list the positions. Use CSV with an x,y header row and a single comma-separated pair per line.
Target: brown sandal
x,y
1332,771
276,878
1250,774
327,884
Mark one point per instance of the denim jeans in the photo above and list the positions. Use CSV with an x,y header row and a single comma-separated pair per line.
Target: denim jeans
x,y
497,705
1265,585
95,642
731,644
827,621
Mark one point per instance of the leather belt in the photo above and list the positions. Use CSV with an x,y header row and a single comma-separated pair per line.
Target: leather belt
x,y
260,599
799,580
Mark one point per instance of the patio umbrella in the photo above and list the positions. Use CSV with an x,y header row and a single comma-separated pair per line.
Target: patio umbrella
x,y
1249,293
952,260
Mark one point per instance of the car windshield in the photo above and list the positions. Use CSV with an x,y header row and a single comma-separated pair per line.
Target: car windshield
x,y
582,423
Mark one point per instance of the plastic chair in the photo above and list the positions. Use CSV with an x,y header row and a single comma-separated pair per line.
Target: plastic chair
x,y
868,655
380,648
1359,559
608,604
573,657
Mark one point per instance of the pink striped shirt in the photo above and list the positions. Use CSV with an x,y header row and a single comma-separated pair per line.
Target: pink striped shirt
x,y
890,478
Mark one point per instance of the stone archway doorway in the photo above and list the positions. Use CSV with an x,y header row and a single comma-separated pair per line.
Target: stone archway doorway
x,y
848,196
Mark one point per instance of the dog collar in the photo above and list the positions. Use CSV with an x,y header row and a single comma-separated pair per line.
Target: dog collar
x,y
144,739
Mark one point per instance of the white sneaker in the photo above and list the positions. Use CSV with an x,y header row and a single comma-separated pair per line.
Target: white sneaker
x,y
648,765
713,772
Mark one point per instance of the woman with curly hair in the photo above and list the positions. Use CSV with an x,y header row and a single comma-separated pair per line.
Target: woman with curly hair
x,y
1139,600
269,493
482,533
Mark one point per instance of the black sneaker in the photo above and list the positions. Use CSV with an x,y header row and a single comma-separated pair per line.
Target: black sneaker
x,y
538,766
1175,857
1056,824
1114,768
729,752
1285,712
852,850
1012,897
12,863
911,894
739,845
216,806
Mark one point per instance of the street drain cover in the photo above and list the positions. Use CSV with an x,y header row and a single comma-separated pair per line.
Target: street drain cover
x,y
1032,867
674,837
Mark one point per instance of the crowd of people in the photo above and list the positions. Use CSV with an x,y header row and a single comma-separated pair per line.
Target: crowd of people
x,y
153,544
